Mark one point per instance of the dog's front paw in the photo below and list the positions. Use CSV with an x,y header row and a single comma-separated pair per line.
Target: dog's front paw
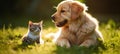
x,y
88,43
63,42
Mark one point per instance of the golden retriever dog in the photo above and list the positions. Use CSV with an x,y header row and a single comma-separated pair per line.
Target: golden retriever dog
x,y
77,27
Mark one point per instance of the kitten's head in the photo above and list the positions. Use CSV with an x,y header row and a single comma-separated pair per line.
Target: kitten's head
x,y
35,27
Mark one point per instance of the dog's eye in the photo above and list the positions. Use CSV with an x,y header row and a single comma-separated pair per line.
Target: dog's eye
x,y
62,11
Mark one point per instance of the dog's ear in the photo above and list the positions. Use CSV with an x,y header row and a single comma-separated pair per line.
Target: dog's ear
x,y
76,9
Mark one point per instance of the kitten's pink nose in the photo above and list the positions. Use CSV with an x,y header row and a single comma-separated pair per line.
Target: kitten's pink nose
x,y
37,30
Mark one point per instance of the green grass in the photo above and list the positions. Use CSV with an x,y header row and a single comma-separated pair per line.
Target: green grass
x,y
10,41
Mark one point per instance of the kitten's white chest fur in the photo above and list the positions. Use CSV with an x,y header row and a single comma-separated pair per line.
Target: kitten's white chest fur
x,y
32,36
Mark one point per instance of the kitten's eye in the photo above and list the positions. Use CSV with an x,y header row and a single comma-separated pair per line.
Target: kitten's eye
x,y
62,11
32,29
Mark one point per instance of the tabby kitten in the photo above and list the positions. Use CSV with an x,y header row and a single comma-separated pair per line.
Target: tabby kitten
x,y
34,33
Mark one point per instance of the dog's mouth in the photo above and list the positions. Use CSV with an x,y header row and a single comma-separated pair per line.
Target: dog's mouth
x,y
62,23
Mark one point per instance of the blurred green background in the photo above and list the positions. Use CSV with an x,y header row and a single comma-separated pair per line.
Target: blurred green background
x,y
19,12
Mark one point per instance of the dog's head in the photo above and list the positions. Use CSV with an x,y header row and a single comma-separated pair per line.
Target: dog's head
x,y
67,11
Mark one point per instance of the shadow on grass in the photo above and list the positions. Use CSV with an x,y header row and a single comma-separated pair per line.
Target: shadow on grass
x,y
24,46
81,50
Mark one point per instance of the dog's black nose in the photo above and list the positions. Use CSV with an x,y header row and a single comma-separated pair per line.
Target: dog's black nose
x,y
53,18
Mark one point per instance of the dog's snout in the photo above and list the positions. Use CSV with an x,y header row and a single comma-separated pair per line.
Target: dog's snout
x,y
53,18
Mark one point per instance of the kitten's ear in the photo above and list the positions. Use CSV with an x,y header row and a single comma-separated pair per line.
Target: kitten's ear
x,y
30,23
41,22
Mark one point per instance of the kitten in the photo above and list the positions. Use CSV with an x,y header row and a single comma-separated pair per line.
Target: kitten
x,y
34,33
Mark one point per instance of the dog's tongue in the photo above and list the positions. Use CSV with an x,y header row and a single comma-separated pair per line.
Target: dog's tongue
x,y
60,24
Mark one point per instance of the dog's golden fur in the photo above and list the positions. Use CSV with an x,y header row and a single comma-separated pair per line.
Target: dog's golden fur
x,y
76,25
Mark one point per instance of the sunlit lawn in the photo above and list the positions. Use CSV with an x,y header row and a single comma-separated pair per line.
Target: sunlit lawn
x,y
10,41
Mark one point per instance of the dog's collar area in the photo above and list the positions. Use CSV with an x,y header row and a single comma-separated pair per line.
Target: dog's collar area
x,y
60,24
